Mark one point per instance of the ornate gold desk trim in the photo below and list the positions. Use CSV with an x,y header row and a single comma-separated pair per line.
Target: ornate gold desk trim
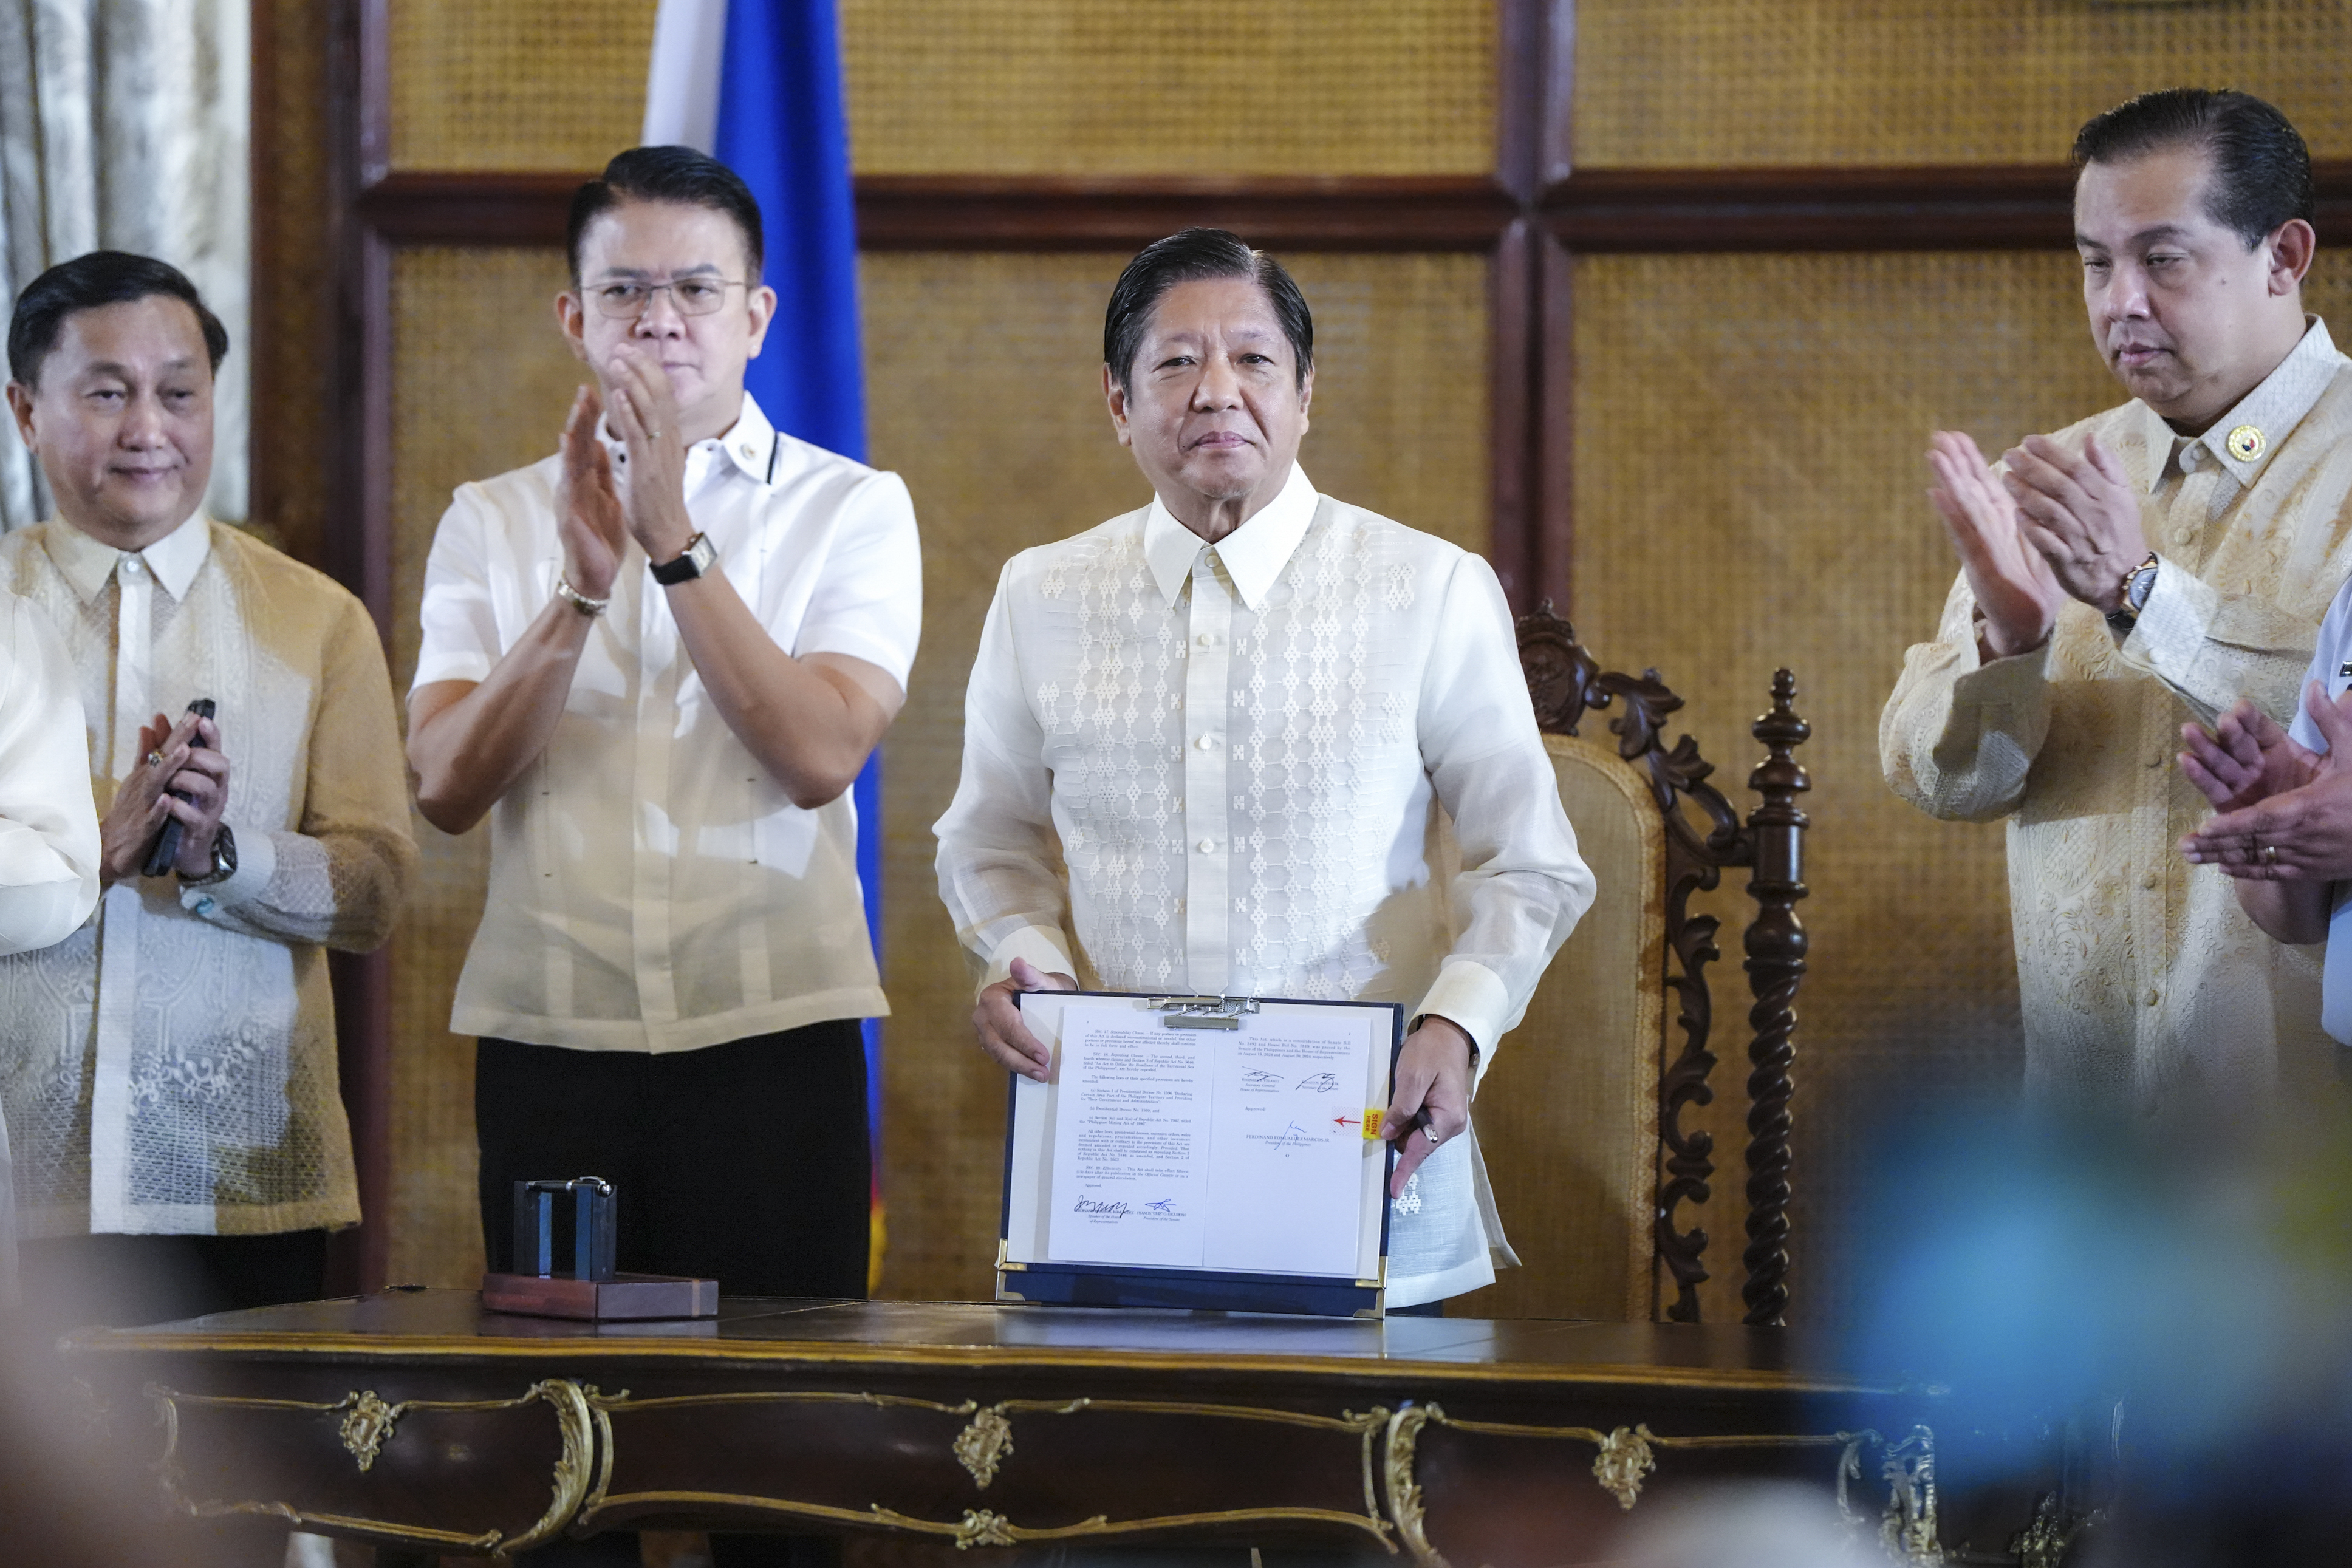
x,y
1907,1528
368,1424
981,1447
343,1347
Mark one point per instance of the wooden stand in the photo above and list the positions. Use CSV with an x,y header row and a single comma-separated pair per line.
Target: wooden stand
x,y
622,1297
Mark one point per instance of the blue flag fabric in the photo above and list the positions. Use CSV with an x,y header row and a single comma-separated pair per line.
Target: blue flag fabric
x,y
781,126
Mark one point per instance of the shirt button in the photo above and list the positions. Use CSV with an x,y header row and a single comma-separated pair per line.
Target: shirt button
x,y
2188,459
132,566
2150,880
1207,743
1208,639
1208,846
2152,995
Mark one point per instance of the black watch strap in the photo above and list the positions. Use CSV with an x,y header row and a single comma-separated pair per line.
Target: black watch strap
x,y
691,563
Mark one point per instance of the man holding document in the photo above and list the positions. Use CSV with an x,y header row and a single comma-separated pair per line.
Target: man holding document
x,y
1235,716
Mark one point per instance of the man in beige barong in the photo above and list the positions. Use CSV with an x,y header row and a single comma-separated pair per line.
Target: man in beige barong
x,y
2144,569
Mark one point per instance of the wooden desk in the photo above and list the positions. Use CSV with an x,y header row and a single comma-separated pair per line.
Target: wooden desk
x,y
415,1420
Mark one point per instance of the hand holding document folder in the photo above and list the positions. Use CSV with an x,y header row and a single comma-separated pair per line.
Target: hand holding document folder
x,y
1250,1149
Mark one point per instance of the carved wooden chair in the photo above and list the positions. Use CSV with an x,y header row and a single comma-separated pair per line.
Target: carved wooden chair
x,y
1592,1142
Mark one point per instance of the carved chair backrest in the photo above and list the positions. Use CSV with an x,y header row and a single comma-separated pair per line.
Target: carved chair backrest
x,y
1589,1140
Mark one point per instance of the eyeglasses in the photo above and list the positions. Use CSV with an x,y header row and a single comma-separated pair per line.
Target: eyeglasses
x,y
692,295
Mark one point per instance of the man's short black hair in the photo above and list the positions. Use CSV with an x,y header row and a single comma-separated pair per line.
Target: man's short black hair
x,y
669,174
91,282
2261,170
1188,256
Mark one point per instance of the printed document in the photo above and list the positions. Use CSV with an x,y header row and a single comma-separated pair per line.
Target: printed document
x,y
1225,1149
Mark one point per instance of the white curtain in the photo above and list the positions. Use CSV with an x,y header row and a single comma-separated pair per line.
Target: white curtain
x,y
124,126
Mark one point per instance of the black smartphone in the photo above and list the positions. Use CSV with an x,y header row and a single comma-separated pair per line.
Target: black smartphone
x,y
166,847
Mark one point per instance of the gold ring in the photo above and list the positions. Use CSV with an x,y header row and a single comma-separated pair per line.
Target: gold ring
x,y
154,759
2270,854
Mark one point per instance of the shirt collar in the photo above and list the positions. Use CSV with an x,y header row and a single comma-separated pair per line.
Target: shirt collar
x,y
86,563
751,444
2272,410
1253,554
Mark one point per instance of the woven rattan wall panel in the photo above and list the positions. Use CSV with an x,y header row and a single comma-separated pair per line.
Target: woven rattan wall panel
x,y
1719,82
1748,485
480,383
1217,86
984,383
517,84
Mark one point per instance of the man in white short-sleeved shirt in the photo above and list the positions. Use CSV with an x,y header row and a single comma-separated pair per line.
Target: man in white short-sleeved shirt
x,y
657,662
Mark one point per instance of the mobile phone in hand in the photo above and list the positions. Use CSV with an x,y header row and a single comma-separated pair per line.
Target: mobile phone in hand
x,y
166,847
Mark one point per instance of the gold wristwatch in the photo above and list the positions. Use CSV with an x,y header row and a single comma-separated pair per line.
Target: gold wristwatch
x,y
2139,583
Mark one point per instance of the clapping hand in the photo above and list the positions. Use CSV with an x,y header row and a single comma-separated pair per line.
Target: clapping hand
x,y
2284,812
644,414
2080,513
588,519
2015,588
184,756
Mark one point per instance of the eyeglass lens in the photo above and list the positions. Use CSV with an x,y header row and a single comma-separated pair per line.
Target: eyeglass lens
x,y
692,295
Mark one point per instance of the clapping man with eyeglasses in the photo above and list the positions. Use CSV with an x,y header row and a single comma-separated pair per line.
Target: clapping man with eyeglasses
x,y
656,661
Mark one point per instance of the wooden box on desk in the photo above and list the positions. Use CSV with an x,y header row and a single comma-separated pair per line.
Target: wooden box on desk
x,y
623,1296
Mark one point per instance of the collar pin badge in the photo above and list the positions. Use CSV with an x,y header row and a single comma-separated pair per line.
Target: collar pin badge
x,y
2245,444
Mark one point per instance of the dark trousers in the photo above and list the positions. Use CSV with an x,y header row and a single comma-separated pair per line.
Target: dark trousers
x,y
745,1162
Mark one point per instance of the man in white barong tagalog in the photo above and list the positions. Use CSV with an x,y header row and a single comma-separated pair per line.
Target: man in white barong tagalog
x,y
169,1069
2159,564
1235,716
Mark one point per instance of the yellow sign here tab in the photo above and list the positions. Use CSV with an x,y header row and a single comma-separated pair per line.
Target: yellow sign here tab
x,y
1372,1114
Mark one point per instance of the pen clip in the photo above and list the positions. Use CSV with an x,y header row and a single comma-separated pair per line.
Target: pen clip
x,y
1202,1012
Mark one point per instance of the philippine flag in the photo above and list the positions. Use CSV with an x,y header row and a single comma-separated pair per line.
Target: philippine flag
x,y
757,84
